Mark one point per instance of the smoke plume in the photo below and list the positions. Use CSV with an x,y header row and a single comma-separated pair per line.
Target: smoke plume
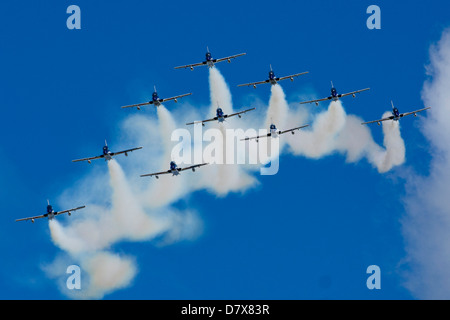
x,y
133,209
426,224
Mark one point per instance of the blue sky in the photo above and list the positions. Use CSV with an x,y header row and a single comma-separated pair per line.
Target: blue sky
x,y
308,232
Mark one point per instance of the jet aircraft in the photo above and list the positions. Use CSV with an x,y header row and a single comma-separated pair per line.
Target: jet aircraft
x,y
174,170
51,213
220,116
396,115
210,61
273,79
107,154
274,132
335,96
156,100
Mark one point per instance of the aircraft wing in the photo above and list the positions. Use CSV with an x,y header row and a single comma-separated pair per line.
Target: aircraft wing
x,y
69,210
353,92
238,113
88,159
192,65
316,101
413,112
253,83
125,151
229,58
291,76
175,98
297,128
202,121
45,215
379,120
138,104
31,218
192,167
257,137
156,173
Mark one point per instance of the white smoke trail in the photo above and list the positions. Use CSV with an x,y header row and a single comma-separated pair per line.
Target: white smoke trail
x,y
144,214
226,177
88,237
321,139
278,110
426,224
220,92
355,140
165,190
277,114
335,131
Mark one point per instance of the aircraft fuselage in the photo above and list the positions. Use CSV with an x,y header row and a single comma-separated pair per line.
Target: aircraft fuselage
x,y
155,99
174,168
220,115
50,213
209,60
272,77
334,95
106,153
396,114
273,131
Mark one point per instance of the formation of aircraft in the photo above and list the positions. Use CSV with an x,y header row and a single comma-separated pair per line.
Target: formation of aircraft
x,y
156,100
396,115
174,170
51,213
335,96
274,132
272,79
210,61
107,154
220,116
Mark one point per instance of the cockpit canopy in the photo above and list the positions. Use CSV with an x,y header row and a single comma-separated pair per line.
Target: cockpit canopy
x,y
272,127
333,92
208,56
271,75
173,165
49,209
105,149
219,112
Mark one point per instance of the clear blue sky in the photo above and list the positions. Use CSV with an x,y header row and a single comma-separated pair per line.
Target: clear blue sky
x,y
61,92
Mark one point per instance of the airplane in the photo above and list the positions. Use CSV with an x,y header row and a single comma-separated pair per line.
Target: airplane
x,y
220,116
51,213
272,79
156,100
210,61
174,170
396,115
335,96
107,154
274,132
